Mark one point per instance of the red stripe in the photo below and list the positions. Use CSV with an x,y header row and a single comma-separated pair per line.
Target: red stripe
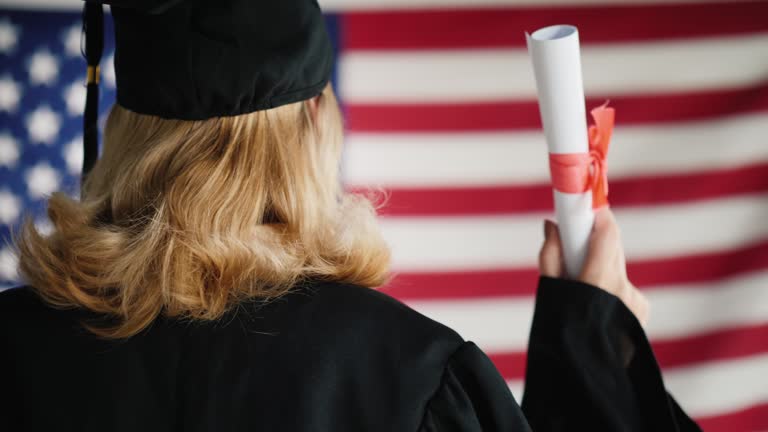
x,y
634,191
449,117
727,344
703,267
716,345
749,419
450,29
511,365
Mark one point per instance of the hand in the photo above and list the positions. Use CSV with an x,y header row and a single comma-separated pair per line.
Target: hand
x,y
605,266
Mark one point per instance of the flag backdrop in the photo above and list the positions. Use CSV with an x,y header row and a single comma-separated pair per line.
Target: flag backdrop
x,y
441,112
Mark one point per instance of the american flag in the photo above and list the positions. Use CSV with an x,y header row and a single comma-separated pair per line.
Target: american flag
x,y
441,112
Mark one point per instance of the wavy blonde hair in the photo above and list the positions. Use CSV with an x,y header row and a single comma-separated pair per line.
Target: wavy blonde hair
x,y
188,218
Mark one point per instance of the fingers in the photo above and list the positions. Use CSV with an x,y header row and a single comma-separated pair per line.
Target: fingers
x,y
605,229
605,265
638,303
551,254
602,265
598,264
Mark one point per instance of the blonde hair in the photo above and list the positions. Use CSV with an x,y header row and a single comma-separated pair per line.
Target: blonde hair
x,y
188,218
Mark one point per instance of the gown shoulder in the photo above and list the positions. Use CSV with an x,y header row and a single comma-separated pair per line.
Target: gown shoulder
x,y
18,297
465,392
21,306
332,356
348,358
472,397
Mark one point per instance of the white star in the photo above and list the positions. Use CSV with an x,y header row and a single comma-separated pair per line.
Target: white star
x,y
10,94
42,180
108,71
43,125
43,68
9,36
73,155
74,96
71,40
9,264
10,207
44,226
9,150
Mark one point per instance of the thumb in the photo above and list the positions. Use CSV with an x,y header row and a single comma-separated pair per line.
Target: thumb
x,y
638,303
551,254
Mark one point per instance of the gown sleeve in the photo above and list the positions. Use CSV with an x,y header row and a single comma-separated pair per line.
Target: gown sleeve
x,y
472,397
590,367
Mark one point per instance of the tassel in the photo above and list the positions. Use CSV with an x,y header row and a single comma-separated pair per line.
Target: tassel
x,y
93,28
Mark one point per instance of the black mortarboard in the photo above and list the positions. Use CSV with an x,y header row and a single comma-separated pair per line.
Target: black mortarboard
x,y
199,59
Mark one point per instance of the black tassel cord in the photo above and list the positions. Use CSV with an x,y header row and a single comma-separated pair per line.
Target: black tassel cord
x,y
93,28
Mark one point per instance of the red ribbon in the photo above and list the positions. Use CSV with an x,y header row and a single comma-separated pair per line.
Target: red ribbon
x,y
581,172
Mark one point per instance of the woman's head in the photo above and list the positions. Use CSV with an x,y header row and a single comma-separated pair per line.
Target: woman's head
x,y
186,218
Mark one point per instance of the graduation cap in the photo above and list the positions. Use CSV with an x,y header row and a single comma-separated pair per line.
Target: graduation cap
x,y
199,59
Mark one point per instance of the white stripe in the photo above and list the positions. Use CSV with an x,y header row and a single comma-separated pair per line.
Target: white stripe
x,y
461,159
720,387
711,389
517,387
506,74
502,324
494,324
482,242
342,5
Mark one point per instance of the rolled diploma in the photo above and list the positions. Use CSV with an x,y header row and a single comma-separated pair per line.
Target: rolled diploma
x,y
556,60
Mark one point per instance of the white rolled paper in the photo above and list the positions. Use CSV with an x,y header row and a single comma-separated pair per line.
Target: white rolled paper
x,y
556,60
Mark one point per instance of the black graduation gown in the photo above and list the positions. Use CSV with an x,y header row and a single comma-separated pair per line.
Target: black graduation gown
x,y
330,357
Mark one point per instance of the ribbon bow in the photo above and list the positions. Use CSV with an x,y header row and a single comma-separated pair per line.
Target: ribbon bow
x,y
580,172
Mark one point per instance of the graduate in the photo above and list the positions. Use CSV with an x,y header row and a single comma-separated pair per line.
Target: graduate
x,y
214,276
